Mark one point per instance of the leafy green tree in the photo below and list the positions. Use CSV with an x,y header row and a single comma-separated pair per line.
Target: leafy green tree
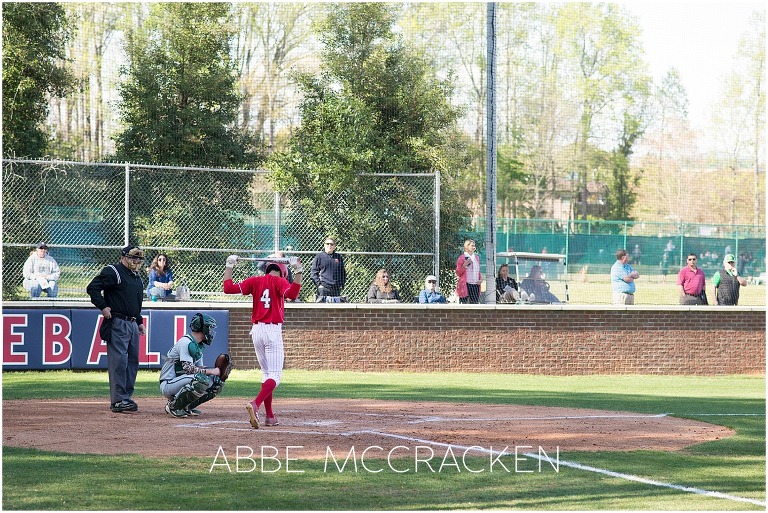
x,y
179,105
34,37
179,102
377,106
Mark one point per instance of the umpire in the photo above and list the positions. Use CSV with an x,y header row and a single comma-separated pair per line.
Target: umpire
x,y
118,291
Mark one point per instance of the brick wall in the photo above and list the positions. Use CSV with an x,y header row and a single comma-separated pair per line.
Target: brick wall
x,y
564,340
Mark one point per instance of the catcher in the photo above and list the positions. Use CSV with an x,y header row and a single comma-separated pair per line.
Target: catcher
x,y
183,379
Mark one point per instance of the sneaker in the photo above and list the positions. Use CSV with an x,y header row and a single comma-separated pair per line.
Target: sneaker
x,y
132,403
253,412
122,406
271,421
175,413
193,412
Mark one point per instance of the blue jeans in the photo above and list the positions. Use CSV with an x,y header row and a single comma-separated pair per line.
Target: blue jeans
x,y
36,290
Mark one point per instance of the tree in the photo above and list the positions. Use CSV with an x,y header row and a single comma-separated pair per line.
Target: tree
x,y
34,36
179,105
602,43
272,38
179,101
375,107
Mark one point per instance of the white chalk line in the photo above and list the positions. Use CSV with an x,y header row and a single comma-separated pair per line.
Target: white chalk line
x,y
565,463
579,466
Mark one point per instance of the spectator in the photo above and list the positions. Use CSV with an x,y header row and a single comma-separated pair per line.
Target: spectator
x,y
728,283
636,255
160,284
430,293
381,290
468,271
535,288
327,271
664,266
623,278
670,246
691,283
41,273
506,286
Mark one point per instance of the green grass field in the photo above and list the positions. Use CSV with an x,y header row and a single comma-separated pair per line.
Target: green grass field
x,y
34,479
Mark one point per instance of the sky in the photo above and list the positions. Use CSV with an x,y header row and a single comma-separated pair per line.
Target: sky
x,y
699,39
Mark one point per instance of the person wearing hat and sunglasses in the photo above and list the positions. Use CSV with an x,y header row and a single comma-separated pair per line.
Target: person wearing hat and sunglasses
x,y
430,293
118,292
41,273
728,283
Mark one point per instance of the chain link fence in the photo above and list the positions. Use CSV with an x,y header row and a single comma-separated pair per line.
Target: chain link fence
x,y
198,216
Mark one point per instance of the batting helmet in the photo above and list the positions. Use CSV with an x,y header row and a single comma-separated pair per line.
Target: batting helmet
x,y
281,268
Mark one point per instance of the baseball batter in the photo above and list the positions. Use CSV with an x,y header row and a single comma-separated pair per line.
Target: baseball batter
x,y
183,379
269,293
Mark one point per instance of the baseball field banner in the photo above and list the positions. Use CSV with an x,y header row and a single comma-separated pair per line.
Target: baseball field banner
x,y
35,339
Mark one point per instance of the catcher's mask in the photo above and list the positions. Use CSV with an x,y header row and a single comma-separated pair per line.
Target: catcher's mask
x,y
204,324
135,255
274,266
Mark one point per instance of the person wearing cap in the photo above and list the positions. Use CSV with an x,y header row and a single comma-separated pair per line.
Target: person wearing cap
x,y
728,283
691,283
430,294
41,273
623,278
118,292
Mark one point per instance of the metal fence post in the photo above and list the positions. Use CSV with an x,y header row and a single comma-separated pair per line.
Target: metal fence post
x,y
127,217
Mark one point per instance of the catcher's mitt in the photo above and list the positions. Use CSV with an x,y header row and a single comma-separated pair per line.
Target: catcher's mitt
x,y
224,364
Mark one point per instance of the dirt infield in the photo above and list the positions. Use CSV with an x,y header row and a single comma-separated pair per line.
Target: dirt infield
x,y
87,426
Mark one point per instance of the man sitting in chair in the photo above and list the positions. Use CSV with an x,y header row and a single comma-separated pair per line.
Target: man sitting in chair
x,y
536,288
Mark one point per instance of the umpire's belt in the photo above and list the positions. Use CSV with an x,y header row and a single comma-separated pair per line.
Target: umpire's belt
x,y
124,317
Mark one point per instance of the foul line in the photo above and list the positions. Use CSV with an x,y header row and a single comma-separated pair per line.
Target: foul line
x,y
565,463
579,466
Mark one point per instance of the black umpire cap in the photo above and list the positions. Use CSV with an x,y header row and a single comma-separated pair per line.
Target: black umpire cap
x,y
132,251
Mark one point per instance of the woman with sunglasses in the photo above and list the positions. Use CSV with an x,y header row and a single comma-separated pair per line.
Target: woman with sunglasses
x,y
160,279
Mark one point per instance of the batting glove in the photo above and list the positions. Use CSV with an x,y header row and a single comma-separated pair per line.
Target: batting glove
x,y
231,261
295,264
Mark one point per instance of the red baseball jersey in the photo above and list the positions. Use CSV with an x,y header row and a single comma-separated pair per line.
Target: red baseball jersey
x,y
269,293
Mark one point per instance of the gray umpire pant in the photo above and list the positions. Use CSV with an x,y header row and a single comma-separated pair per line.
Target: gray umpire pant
x,y
122,359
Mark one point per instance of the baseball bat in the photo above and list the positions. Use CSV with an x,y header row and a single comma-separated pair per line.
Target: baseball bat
x,y
277,260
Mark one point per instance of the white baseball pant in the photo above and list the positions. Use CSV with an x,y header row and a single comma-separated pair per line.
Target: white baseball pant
x,y
268,343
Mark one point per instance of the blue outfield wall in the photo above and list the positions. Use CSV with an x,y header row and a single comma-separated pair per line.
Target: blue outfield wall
x,y
43,339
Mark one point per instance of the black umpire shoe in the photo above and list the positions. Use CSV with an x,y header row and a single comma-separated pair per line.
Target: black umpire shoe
x,y
123,406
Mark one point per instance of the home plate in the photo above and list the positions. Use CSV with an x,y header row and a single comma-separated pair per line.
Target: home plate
x,y
321,423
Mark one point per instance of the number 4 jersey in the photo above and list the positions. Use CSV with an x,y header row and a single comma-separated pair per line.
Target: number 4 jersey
x,y
269,294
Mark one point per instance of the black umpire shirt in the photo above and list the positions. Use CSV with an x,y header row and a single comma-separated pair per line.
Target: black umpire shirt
x,y
123,291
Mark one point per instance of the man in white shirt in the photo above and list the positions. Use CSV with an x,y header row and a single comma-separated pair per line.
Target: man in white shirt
x,y
41,273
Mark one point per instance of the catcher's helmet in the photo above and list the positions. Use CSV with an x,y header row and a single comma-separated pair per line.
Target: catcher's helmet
x,y
204,324
278,267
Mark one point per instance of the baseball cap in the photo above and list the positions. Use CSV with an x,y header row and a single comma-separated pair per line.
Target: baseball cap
x,y
42,245
133,252
729,258
430,278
